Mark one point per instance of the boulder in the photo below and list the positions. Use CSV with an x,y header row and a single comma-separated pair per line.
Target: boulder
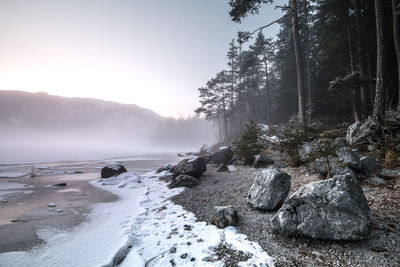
x,y
184,180
269,190
224,216
192,166
167,167
349,157
222,168
262,161
360,133
367,164
112,170
334,209
336,167
222,156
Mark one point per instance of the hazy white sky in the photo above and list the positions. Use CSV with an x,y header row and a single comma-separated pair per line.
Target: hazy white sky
x,y
153,53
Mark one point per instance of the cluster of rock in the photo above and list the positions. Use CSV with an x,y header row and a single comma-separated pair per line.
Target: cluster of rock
x,y
342,159
186,173
335,208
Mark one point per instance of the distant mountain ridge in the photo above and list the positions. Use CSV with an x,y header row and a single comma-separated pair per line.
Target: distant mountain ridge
x,y
48,120
41,110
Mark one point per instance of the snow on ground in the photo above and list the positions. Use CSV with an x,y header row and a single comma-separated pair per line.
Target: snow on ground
x,y
166,234
144,228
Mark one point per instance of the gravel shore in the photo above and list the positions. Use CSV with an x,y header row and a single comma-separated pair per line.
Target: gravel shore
x,y
381,248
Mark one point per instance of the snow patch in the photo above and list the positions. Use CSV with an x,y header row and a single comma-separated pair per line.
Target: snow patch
x,y
143,228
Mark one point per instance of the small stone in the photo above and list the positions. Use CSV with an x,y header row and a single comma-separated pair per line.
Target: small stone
x,y
187,227
184,256
50,209
305,245
4,200
59,210
52,205
59,184
192,259
188,243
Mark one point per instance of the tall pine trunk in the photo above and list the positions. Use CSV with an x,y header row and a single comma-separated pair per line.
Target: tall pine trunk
x,y
267,90
378,112
299,62
361,61
353,92
396,38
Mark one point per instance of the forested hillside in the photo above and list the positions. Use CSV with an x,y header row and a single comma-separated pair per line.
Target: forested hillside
x,y
332,60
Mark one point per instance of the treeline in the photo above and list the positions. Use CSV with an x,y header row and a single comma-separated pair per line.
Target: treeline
x,y
348,46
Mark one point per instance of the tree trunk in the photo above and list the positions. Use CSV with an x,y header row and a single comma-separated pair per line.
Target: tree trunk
x,y
299,63
267,90
353,90
361,61
396,38
378,112
309,94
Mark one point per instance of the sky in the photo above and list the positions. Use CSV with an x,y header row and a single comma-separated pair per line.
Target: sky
x,y
152,53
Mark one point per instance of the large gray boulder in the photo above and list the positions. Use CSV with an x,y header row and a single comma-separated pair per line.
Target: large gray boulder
x,y
336,167
224,216
193,166
349,157
333,209
262,161
184,180
270,188
360,133
222,156
112,170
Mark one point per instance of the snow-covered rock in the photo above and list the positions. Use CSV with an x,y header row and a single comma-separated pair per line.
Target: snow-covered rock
x,y
112,170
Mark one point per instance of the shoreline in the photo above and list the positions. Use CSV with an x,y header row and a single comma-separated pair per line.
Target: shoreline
x,y
26,210
380,248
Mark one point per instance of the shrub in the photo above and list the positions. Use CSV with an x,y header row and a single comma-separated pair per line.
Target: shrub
x,y
248,145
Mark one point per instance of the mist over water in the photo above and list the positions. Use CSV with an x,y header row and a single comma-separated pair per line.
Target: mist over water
x,y
43,128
